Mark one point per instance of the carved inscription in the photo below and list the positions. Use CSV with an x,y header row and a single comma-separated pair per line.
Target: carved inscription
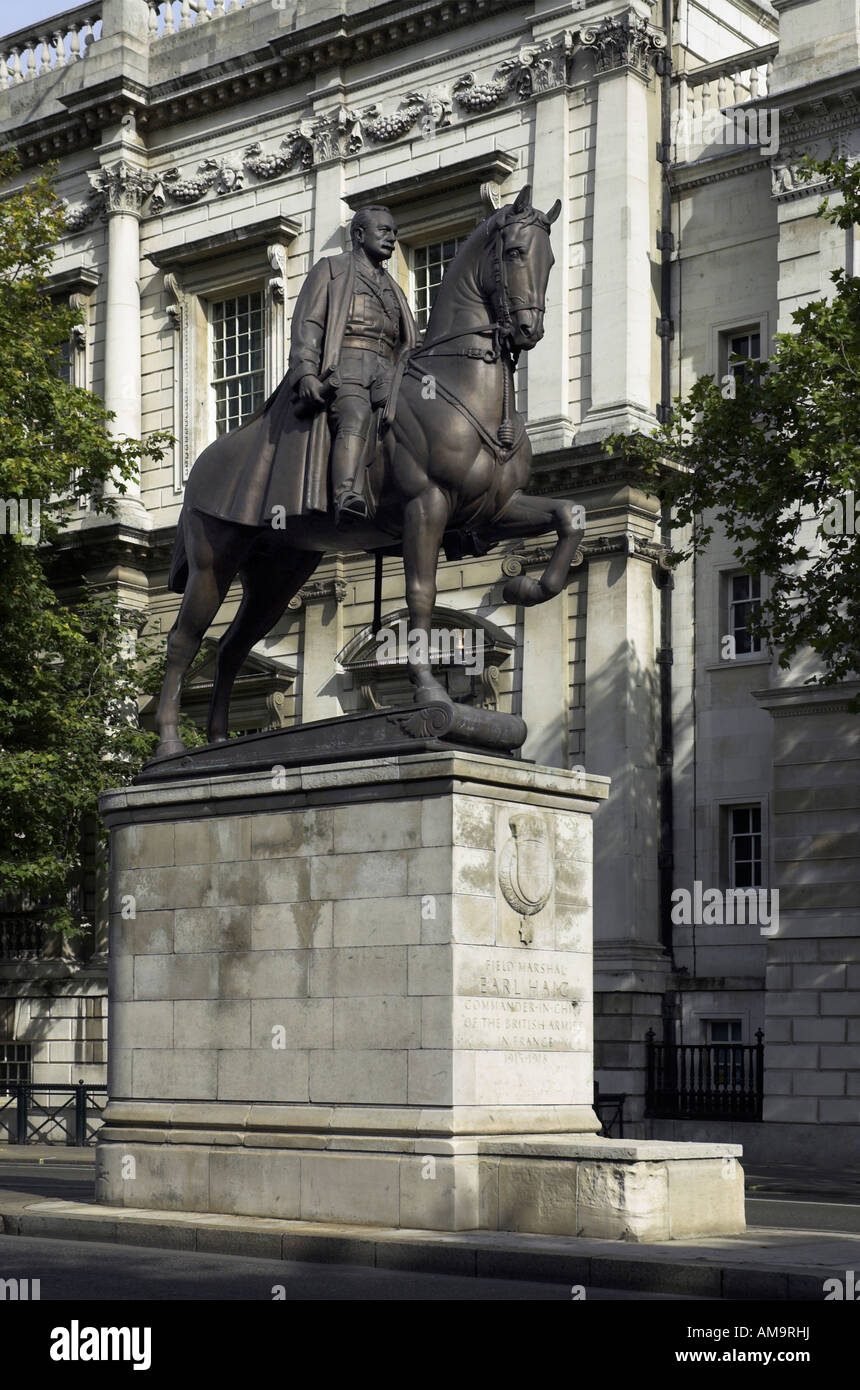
x,y
522,977
519,1003
531,1025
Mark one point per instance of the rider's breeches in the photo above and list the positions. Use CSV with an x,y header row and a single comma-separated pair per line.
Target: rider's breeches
x,y
361,385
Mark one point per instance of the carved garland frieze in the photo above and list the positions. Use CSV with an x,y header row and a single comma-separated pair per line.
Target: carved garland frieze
x,y
535,68
294,150
218,175
430,111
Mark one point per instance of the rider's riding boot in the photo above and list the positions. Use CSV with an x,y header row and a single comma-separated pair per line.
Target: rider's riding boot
x,y
347,475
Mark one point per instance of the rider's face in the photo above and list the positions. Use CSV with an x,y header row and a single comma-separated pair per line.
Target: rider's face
x,y
378,237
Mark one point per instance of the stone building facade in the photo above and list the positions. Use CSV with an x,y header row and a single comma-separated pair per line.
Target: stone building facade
x,y
210,152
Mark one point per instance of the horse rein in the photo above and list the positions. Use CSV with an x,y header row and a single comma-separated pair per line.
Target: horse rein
x,y
500,330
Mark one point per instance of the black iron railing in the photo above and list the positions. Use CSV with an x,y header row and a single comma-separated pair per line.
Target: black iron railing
x,y
609,1108
22,936
50,1113
704,1081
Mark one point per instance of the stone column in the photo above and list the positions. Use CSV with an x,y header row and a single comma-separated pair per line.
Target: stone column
x,y
622,722
322,601
550,426
544,702
330,136
624,304
621,740
123,185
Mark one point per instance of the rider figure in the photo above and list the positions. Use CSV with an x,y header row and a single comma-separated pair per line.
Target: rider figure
x,y
370,323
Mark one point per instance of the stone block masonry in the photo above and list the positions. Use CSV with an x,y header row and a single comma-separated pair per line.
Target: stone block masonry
x,y
364,993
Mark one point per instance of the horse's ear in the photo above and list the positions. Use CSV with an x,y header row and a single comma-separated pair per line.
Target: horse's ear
x,y
554,211
524,199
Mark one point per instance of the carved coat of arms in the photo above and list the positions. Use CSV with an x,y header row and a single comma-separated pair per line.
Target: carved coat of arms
x,y
525,869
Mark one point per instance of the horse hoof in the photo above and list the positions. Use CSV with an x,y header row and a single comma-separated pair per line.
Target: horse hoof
x,y
169,747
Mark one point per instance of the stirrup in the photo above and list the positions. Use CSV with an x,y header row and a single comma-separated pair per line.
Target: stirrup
x,y
349,506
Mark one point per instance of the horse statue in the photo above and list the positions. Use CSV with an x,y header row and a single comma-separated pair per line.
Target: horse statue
x,y
450,465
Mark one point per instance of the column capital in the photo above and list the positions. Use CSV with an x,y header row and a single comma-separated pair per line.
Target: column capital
x,y
624,41
318,591
122,187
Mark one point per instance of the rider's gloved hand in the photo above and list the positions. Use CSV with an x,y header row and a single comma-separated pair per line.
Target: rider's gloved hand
x,y
311,391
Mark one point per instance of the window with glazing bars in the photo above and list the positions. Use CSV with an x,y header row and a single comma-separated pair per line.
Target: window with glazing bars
x,y
736,347
15,1064
238,359
745,846
744,604
726,1062
428,266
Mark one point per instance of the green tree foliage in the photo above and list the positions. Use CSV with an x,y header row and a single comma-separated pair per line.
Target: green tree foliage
x,y
69,677
773,458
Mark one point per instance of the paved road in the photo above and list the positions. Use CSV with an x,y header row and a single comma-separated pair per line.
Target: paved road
x,y
72,1182
94,1272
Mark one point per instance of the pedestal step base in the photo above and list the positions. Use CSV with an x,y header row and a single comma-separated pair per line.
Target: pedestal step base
x,y
571,1185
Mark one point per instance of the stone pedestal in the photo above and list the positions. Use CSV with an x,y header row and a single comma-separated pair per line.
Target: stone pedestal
x,y
363,993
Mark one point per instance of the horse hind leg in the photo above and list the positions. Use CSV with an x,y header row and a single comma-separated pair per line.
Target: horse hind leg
x,y
269,583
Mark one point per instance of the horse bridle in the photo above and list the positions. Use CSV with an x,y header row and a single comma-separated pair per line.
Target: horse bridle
x,y
501,328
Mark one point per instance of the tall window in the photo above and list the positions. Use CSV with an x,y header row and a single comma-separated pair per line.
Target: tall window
x,y
428,267
64,369
744,829
238,359
742,343
744,605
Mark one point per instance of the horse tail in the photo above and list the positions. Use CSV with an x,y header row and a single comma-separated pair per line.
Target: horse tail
x,y
178,576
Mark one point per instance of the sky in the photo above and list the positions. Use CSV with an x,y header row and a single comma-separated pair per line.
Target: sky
x,y
15,14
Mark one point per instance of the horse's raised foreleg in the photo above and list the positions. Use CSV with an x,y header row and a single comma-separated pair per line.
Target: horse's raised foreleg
x,y
424,522
532,516
270,579
214,552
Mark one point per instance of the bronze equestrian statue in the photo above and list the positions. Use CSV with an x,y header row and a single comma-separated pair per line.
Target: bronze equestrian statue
x,y
424,444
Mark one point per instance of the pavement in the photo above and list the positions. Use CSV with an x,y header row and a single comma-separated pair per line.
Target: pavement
x,y
763,1264
768,1262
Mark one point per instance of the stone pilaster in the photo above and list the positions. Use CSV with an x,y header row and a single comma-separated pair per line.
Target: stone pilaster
x,y
624,305
322,603
123,186
545,671
817,39
550,425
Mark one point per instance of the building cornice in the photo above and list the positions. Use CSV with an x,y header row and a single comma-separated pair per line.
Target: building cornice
x,y
257,233
785,701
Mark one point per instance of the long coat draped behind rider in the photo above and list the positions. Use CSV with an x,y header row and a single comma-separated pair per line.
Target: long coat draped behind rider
x,y
280,456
